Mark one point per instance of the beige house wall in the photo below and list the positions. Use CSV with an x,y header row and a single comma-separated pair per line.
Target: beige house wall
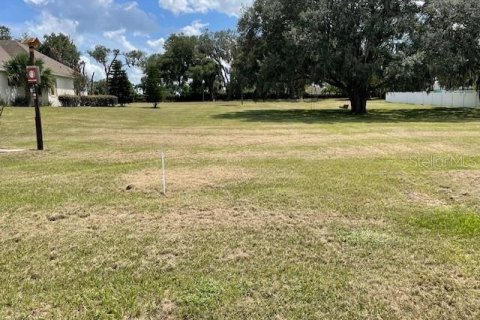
x,y
64,86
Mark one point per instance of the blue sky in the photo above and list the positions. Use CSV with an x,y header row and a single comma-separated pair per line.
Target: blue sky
x,y
122,24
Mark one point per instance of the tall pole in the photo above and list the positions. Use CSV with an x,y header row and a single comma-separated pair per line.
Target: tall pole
x,y
38,117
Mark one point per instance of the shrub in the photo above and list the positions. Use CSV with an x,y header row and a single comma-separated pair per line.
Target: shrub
x,y
20,102
69,101
98,101
88,101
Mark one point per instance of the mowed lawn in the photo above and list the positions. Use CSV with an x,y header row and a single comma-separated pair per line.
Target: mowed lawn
x,y
273,211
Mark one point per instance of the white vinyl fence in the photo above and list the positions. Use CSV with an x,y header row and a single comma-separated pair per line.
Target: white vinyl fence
x,y
463,99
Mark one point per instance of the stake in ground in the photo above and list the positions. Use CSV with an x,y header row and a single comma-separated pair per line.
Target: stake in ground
x,y
281,210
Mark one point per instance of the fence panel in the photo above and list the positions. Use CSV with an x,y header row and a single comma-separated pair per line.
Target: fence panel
x,y
461,99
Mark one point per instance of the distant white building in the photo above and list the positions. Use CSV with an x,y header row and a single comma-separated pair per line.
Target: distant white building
x,y
64,76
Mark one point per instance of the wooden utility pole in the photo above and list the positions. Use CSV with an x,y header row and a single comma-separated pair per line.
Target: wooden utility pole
x,y
34,91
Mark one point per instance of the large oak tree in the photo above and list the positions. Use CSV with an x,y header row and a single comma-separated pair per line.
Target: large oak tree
x,y
346,43
353,42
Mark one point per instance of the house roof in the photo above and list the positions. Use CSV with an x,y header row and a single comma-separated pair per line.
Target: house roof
x,y
10,49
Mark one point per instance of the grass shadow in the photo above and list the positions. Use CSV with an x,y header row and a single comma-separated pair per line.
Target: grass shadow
x,y
344,116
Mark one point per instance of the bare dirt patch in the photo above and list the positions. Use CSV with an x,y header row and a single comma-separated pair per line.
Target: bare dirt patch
x,y
183,179
460,186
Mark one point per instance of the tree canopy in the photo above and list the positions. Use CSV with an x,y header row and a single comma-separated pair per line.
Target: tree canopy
x,y
105,56
346,43
451,41
119,85
361,47
5,33
219,48
61,47
271,58
193,66
152,84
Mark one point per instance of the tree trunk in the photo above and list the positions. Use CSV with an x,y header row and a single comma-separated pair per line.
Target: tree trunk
x,y
211,91
292,92
358,100
229,92
92,85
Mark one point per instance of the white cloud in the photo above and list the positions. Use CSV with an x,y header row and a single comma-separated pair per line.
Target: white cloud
x,y
93,68
176,6
135,75
119,37
131,6
92,22
194,29
37,2
141,34
157,45
229,7
49,23
94,16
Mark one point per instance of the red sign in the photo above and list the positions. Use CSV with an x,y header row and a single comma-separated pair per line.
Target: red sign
x,y
33,75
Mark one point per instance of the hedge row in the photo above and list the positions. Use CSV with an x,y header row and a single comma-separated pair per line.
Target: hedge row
x,y
88,101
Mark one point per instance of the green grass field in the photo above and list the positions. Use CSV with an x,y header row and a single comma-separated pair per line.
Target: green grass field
x,y
273,211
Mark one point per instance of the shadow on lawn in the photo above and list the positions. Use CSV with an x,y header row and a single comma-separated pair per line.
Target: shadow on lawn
x,y
339,116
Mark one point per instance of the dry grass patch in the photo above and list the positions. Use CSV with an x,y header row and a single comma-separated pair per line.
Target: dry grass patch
x,y
106,156
459,186
186,179
414,287
422,198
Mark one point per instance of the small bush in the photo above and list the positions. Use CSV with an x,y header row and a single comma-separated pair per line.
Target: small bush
x,y
88,101
69,101
20,102
99,101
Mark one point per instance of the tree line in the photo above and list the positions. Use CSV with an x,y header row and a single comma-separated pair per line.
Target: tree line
x,y
362,48
192,68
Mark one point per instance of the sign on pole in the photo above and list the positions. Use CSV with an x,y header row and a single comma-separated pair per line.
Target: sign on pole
x,y
33,75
